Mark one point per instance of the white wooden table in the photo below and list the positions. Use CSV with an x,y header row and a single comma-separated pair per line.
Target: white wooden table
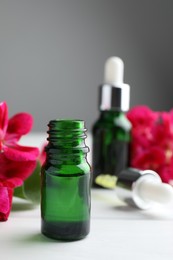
x,y
118,232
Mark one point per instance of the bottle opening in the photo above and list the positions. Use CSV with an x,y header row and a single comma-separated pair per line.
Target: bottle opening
x,y
74,124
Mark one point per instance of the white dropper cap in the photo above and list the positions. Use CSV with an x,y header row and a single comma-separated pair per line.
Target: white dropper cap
x,y
114,71
149,190
143,189
159,192
114,94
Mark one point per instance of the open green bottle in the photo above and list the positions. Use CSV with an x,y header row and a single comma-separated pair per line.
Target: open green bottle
x,y
65,182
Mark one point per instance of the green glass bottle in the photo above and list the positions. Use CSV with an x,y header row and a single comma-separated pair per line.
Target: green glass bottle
x,y
65,182
111,132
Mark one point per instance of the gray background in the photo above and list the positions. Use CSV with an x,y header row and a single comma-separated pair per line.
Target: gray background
x,y
52,54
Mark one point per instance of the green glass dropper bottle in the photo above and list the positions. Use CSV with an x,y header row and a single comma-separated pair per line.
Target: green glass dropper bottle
x,y
65,182
111,132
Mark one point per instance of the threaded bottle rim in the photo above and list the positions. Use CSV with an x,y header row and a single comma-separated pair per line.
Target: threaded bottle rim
x,y
63,124
67,135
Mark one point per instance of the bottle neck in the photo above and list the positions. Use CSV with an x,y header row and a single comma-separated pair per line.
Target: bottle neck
x,y
58,157
66,142
116,118
110,114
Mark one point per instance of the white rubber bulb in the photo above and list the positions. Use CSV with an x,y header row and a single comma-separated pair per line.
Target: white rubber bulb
x,y
114,71
156,191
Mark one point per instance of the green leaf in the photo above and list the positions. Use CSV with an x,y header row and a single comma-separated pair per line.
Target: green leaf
x,y
19,192
30,190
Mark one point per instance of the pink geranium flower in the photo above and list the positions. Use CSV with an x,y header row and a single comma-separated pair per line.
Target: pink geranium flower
x,y
141,117
166,172
16,162
152,141
151,158
162,130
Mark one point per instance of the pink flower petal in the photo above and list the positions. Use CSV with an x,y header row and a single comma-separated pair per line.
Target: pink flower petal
x,y
13,182
21,153
150,159
162,129
42,156
20,124
15,169
166,173
141,116
3,118
5,202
